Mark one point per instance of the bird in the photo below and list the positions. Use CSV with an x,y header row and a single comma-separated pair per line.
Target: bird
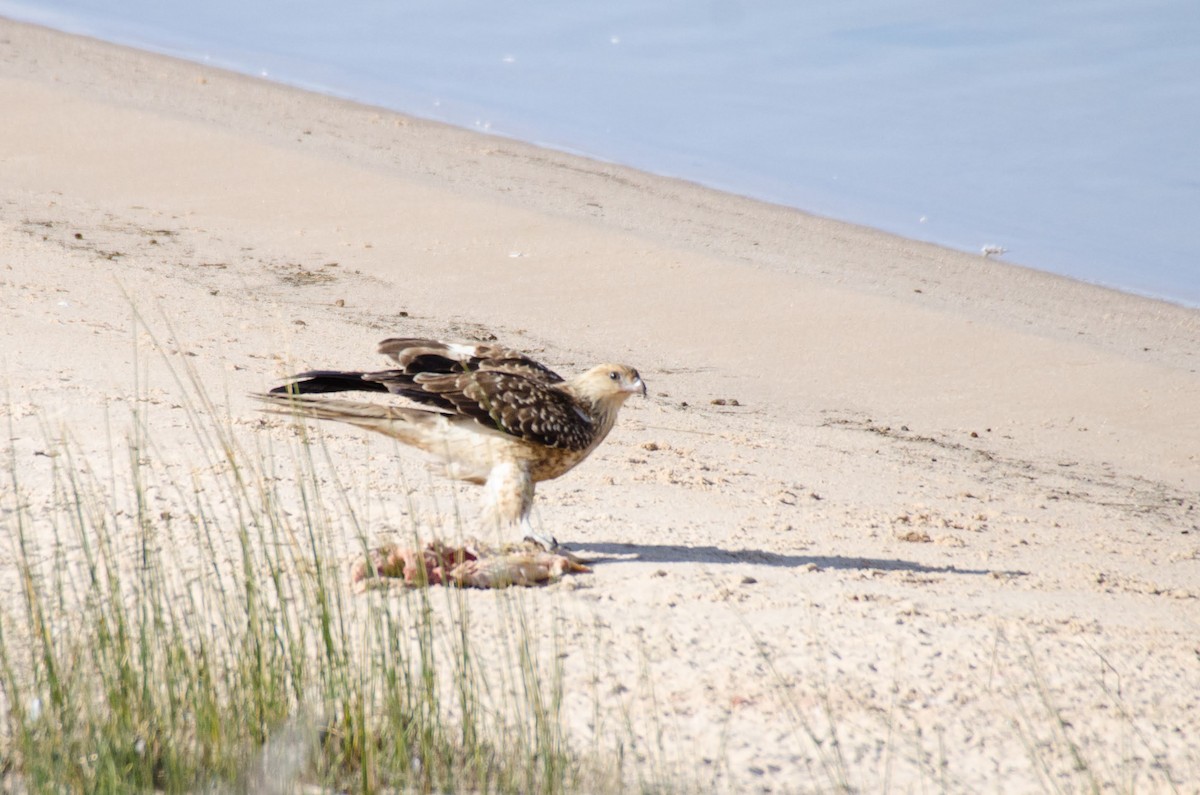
x,y
490,415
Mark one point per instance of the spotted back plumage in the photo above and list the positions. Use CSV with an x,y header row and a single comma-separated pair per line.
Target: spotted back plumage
x,y
509,402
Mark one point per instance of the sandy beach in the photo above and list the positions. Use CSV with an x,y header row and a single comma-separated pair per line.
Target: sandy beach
x,y
951,500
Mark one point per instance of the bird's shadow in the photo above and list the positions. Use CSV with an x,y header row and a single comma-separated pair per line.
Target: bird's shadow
x,y
609,553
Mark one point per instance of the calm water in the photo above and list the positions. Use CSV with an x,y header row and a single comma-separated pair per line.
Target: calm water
x,y
1066,132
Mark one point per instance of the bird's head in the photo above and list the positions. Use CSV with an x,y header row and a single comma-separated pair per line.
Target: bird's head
x,y
609,384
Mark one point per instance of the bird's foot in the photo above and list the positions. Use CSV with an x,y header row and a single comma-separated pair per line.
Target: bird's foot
x,y
547,542
551,545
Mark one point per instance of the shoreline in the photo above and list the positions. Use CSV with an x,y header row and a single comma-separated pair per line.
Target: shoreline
x,y
1048,250
931,455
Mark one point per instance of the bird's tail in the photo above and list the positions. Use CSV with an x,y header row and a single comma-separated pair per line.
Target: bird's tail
x,y
409,425
318,381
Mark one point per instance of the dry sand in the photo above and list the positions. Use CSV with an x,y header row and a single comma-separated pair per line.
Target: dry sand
x,y
942,495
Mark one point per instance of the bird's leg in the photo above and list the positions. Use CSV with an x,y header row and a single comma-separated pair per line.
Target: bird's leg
x,y
510,499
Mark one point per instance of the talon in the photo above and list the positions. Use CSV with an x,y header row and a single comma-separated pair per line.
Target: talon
x,y
548,543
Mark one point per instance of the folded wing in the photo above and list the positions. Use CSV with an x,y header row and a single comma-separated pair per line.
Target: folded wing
x,y
498,388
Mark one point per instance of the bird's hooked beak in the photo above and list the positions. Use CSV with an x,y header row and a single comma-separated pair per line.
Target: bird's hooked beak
x,y
621,380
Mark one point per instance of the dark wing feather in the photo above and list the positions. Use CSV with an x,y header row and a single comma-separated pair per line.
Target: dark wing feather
x,y
316,381
430,356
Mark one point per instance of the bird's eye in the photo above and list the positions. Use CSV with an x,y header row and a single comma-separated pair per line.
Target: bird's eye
x,y
613,375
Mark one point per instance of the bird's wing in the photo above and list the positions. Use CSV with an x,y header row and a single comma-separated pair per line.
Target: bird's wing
x,y
415,356
508,402
497,388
